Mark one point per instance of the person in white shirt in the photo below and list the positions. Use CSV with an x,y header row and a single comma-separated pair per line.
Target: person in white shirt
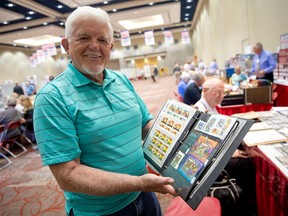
x,y
212,95
239,166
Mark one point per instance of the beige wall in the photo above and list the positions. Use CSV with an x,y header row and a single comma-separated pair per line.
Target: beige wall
x,y
15,65
226,27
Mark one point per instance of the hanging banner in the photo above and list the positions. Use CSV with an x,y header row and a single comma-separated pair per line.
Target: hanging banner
x,y
168,37
185,37
40,55
125,38
149,38
45,52
51,49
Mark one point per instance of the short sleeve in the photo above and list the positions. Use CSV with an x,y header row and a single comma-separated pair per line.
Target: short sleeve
x,y
54,129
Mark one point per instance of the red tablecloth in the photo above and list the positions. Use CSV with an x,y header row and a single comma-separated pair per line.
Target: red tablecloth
x,y
230,110
282,98
271,186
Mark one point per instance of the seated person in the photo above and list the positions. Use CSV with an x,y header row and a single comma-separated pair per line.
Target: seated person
x,y
239,166
193,90
9,115
184,79
238,77
28,115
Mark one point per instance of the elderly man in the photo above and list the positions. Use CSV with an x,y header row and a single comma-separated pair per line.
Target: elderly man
x,y
193,89
239,166
263,63
89,124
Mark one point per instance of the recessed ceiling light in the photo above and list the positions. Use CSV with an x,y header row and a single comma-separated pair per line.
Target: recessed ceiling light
x,y
188,7
140,32
28,18
187,14
45,23
151,3
5,22
59,6
188,1
31,12
114,10
25,27
61,23
38,40
25,46
186,18
14,44
105,2
142,22
10,5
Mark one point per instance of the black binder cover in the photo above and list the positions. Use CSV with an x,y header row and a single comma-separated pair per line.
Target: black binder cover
x,y
192,147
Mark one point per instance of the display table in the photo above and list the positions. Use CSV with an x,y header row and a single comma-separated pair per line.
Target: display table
x,y
230,110
271,163
271,184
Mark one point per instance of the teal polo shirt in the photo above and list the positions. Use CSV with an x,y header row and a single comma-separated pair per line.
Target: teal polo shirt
x,y
75,117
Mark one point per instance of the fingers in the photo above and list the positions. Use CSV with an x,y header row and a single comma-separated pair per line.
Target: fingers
x,y
158,184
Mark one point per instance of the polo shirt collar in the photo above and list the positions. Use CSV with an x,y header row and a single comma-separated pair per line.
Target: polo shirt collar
x,y
78,79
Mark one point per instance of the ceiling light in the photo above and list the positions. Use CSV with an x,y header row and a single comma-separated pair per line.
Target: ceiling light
x,y
142,22
114,10
105,2
45,23
14,44
188,7
5,22
31,12
140,32
59,6
186,18
151,3
10,5
189,1
38,41
187,14
61,23
25,27
28,18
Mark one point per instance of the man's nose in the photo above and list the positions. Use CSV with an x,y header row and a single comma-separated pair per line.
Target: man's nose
x,y
95,44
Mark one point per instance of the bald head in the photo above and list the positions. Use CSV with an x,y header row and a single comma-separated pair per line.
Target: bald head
x,y
213,91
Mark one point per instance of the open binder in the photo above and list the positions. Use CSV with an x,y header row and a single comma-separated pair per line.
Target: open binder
x,y
192,147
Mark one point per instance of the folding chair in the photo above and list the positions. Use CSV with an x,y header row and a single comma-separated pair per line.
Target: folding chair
x,y
14,140
5,161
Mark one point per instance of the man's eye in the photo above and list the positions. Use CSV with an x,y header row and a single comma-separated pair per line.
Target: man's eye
x,y
103,41
83,39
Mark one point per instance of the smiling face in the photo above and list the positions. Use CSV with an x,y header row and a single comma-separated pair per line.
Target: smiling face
x,y
89,46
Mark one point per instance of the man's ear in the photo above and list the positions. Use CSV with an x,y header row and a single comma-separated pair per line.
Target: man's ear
x,y
65,45
111,46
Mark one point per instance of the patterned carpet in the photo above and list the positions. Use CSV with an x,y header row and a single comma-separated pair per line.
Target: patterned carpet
x,y
27,188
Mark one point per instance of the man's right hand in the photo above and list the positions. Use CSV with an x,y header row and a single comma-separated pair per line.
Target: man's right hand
x,y
154,183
